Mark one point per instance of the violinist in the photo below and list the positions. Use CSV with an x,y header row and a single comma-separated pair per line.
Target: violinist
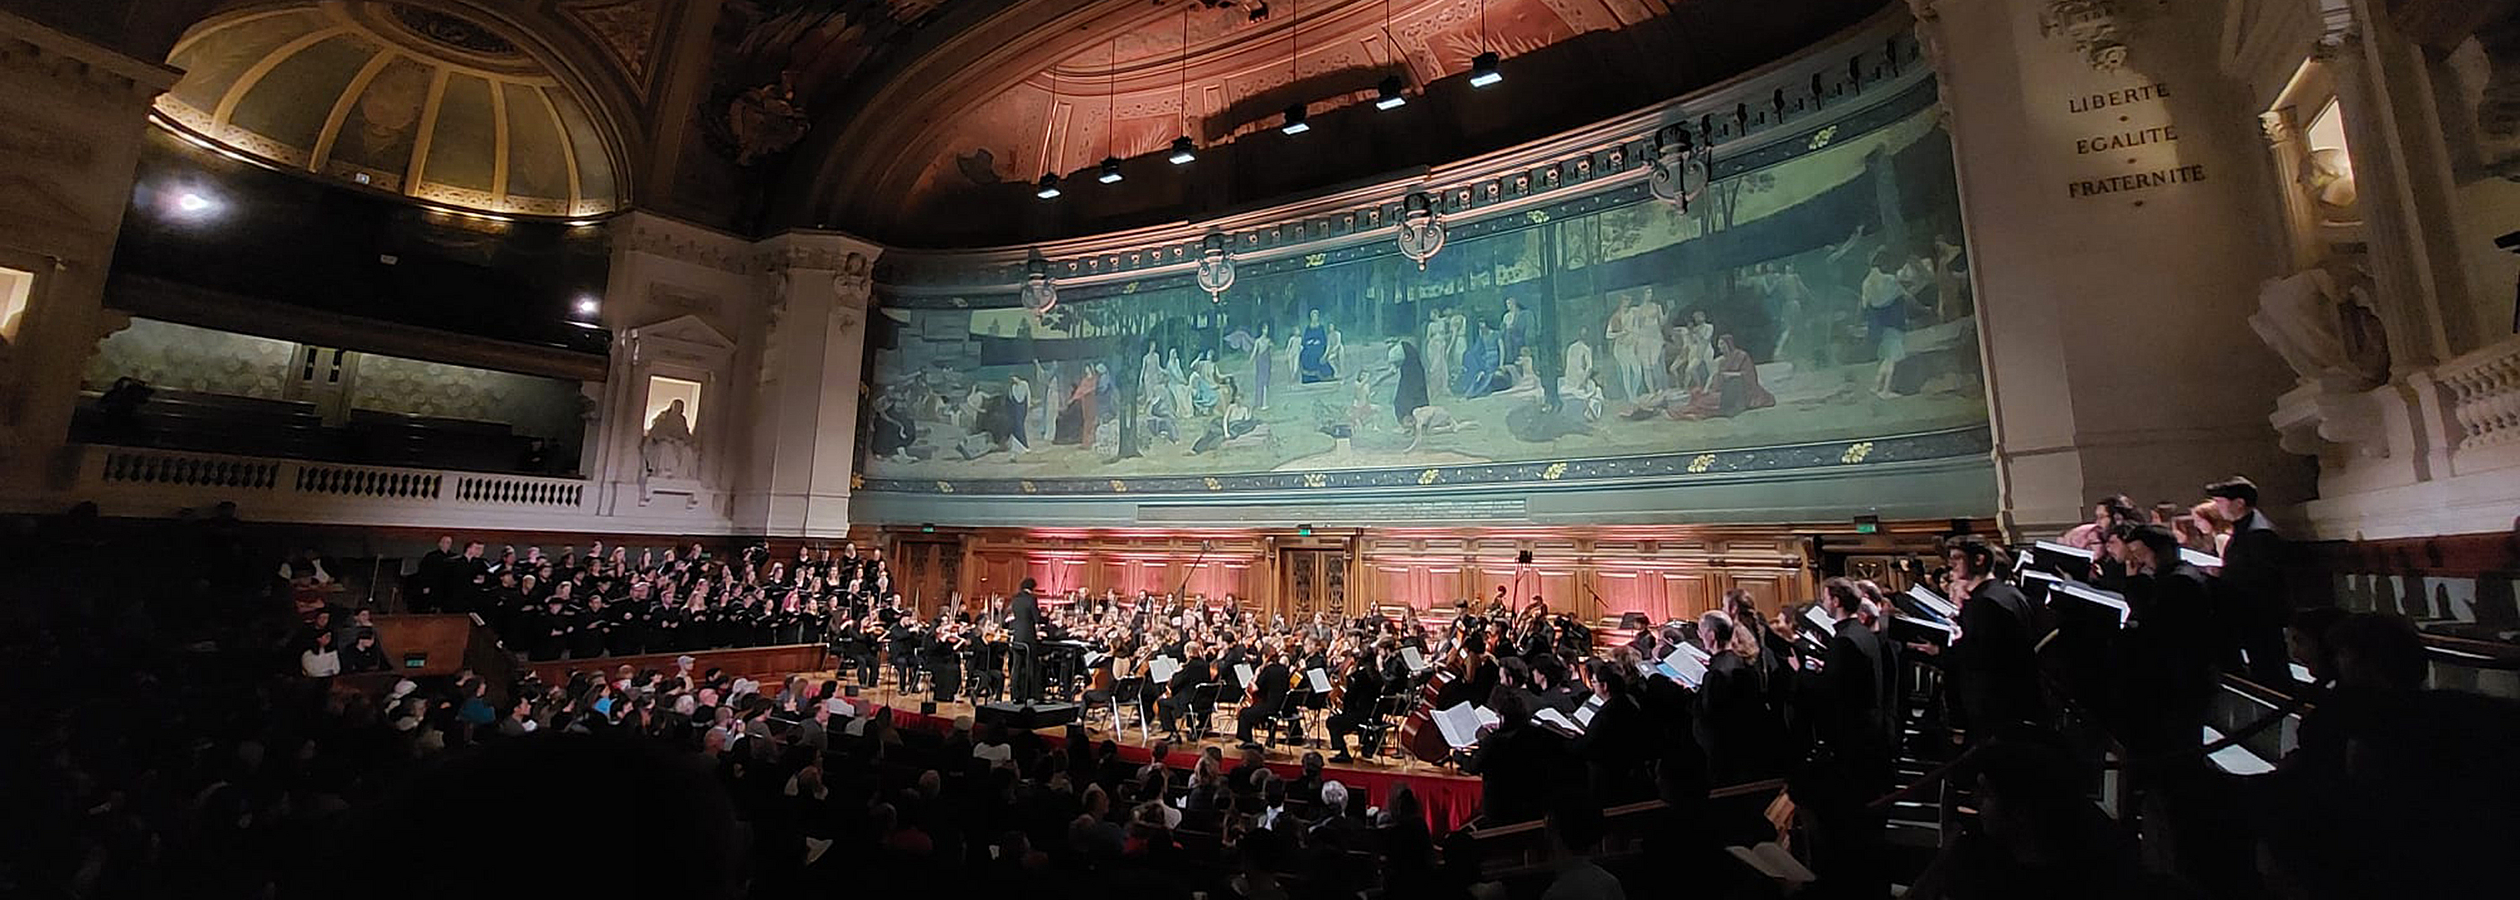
x,y
902,642
1360,690
854,644
1269,689
942,655
1194,671
988,659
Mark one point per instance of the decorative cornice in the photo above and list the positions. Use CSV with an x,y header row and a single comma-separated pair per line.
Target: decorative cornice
x,y
1750,463
1743,122
89,69
992,279
683,242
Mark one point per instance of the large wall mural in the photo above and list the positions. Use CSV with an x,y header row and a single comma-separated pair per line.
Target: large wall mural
x,y
1810,303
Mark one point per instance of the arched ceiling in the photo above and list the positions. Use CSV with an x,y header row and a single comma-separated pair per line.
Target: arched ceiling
x,y
989,96
403,97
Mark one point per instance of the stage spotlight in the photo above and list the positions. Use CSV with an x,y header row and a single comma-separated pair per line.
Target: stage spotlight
x,y
1183,151
1295,120
1390,95
1110,170
1483,70
1049,187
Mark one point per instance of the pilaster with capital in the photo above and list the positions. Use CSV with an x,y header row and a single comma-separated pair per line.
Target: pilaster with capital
x,y
71,117
810,374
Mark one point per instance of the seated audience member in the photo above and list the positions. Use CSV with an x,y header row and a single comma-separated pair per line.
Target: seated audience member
x,y
321,660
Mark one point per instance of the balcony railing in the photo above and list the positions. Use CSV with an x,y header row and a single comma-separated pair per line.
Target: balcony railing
x,y
2485,395
153,482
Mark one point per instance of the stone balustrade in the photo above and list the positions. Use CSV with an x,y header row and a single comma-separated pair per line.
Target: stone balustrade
x,y
128,481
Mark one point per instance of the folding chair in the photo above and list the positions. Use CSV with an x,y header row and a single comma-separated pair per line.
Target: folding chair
x,y
1124,696
1203,709
1289,716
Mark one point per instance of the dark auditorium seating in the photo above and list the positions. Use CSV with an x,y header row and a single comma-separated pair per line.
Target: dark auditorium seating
x,y
292,429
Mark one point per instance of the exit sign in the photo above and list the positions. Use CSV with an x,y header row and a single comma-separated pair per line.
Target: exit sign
x,y
1867,524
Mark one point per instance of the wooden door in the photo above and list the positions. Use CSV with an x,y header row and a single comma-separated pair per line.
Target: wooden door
x,y
927,569
323,376
1314,580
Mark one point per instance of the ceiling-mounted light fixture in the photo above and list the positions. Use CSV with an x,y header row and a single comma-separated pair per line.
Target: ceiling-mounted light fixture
x,y
1111,117
1048,187
1295,120
1294,123
1483,71
1183,149
1387,95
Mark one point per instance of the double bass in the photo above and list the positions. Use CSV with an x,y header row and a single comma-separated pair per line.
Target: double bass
x,y
1418,735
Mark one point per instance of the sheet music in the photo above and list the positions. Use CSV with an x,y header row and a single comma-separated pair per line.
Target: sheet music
x,y
1686,665
1584,714
1927,598
2200,558
1163,668
1318,679
2062,550
1243,675
1773,861
1557,721
1459,724
1093,659
1415,660
1818,616
2110,599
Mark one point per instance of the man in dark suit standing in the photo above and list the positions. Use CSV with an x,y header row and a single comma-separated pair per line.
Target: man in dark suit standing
x,y
2250,594
1025,633
1854,710
1994,666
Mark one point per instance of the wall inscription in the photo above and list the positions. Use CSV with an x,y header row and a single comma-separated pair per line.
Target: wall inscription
x,y
2127,135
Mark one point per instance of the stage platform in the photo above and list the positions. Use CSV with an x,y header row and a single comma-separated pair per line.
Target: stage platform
x,y
1449,797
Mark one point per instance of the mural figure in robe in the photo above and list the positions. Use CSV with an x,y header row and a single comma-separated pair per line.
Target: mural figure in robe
x,y
1410,391
1311,360
1482,363
1263,367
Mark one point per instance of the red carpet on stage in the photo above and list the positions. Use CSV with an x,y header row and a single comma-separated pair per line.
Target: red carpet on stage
x,y
1449,800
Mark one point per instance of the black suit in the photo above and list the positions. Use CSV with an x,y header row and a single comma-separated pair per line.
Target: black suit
x,y
1177,692
1614,749
1858,707
1025,633
2165,661
1268,698
1732,723
1520,766
2251,600
1356,705
1998,673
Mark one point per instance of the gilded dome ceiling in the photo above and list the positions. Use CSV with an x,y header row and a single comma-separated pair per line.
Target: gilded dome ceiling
x,y
395,97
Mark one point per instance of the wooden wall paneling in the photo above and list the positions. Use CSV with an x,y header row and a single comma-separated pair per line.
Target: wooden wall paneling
x,y
1687,592
1766,588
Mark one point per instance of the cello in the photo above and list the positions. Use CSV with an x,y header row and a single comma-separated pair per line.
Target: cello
x,y
1418,735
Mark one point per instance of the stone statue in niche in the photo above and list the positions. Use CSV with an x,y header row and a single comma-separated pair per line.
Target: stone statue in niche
x,y
669,450
2324,328
2329,179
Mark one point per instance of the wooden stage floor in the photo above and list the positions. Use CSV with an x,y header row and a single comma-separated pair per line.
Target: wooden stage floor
x,y
1098,726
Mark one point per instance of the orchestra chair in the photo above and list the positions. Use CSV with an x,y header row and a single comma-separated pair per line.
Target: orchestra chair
x,y
1124,696
1203,708
1374,735
1289,716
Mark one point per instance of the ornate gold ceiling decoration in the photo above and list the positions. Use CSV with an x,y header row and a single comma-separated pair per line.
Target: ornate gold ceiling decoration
x,y
394,97
626,29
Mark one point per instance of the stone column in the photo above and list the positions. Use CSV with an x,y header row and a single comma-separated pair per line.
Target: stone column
x,y
811,368
2108,176
71,118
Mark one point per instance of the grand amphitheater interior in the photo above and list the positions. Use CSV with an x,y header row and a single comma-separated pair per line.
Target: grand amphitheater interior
x,y
1444,448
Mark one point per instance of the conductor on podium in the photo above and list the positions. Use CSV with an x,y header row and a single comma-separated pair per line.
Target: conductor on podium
x,y
1024,631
